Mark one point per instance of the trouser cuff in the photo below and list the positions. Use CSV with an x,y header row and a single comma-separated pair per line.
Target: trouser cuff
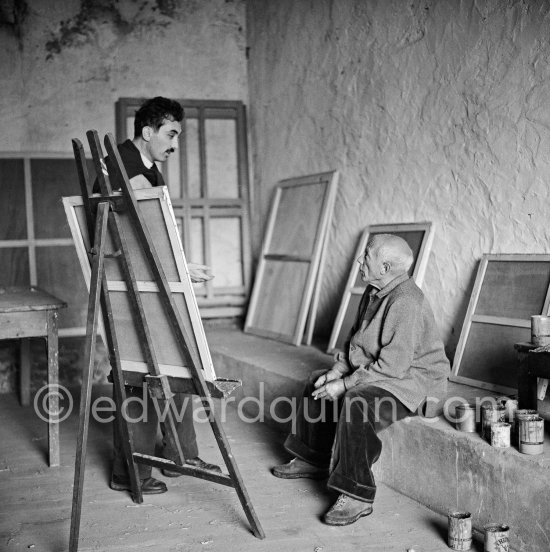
x,y
343,484
299,449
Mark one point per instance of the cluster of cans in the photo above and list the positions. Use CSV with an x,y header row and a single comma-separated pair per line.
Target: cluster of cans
x,y
496,536
504,424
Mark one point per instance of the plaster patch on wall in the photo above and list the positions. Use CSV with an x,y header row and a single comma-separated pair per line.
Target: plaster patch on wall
x,y
82,28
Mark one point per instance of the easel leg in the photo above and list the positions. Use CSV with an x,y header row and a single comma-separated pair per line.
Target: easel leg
x,y
53,382
235,474
85,395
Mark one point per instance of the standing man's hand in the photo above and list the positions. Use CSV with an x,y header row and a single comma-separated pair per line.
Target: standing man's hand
x,y
331,391
199,273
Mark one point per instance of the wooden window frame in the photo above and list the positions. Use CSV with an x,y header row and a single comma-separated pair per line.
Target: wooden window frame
x,y
31,243
213,302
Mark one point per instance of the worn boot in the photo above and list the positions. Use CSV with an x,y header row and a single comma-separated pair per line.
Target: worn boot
x,y
297,468
347,510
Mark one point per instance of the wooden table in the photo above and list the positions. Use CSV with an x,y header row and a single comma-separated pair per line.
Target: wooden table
x,y
532,366
27,312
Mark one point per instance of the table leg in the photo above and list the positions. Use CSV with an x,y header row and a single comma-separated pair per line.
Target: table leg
x,y
527,383
53,382
25,372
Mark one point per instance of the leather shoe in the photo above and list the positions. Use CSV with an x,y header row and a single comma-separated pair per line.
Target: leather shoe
x,y
297,468
149,485
196,463
347,510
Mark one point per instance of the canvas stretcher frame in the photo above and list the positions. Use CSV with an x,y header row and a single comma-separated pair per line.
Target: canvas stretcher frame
x,y
493,325
353,291
290,259
181,285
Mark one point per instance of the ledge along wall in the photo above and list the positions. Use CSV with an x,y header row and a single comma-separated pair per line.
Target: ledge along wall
x,y
430,110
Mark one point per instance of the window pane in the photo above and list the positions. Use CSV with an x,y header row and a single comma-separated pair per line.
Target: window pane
x,y
221,158
52,179
14,267
171,173
13,220
130,127
225,235
192,158
196,255
58,272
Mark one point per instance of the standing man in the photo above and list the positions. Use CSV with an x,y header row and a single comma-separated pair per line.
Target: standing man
x,y
393,366
157,127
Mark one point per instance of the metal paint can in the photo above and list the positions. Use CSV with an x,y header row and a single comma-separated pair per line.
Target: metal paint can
x,y
531,435
511,407
459,536
520,413
465,417
540,330
500,435
491,414
497,538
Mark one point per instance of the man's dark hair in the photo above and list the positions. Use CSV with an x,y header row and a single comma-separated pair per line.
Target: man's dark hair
x,y
154,112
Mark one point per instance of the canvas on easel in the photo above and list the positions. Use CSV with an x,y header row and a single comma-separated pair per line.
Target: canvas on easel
x,y
418,235
156,207
136,271
290,258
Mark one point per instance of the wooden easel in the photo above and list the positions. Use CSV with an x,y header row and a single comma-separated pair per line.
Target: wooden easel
x,y
102,214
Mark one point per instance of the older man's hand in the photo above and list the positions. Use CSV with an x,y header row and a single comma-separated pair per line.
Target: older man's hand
x,y
331,375
331,391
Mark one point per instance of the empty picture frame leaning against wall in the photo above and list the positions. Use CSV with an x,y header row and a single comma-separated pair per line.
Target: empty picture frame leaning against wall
x,y
419,236
157,210
508,290
290,257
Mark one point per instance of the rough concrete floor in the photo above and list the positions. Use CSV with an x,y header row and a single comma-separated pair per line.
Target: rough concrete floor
x,y
194,515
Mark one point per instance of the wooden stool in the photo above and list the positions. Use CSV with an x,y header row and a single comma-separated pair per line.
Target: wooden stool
x,y
27,312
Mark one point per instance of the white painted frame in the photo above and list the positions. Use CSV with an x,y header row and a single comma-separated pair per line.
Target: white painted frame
x,y
493,320
183,286
418,273
330,179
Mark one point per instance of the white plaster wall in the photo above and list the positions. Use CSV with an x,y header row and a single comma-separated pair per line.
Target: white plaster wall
x,y
79,56
431,110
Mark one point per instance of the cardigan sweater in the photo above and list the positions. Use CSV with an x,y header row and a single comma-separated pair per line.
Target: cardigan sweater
x,y
395,345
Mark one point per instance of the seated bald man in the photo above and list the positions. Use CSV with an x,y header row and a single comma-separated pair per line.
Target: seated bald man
x,y
393,366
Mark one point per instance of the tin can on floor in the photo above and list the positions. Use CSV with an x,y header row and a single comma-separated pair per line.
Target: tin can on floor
x,y
460,530
496,538
500,435
465,417
531,435
491,414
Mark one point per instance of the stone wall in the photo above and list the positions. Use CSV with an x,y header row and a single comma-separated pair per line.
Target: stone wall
x,y
431,110
65,63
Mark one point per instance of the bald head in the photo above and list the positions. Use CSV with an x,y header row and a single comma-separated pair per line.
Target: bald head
x,y
386,257
391,249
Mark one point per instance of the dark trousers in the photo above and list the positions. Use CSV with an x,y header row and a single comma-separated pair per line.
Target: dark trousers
x,y
342,435
143,424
